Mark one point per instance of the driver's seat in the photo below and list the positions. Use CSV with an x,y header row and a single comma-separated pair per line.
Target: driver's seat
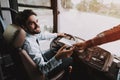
x,y
15,36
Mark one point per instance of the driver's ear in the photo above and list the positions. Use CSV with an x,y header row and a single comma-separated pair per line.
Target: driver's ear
x,y
24,27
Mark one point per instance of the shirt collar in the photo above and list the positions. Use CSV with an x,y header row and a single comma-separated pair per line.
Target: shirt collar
x,y
32,36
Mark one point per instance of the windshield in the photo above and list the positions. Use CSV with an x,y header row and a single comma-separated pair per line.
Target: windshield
x,y
87,18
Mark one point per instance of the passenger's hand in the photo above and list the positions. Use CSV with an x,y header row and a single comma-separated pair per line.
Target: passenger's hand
x,y
61,34
64,52
80,46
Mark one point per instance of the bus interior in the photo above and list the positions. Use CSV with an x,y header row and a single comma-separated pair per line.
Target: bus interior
x,y
62,16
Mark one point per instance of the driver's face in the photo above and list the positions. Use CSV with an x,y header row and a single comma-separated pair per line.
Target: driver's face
x,y
32,25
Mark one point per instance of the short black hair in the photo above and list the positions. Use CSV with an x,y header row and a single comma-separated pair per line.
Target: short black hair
x,y
23,16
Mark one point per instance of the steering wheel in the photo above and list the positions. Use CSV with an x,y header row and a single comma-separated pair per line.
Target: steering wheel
x,y
55,44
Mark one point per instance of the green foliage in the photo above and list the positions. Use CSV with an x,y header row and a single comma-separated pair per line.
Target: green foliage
x,y
99,8
66,4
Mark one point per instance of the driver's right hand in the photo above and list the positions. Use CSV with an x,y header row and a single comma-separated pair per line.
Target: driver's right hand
x,y
64,52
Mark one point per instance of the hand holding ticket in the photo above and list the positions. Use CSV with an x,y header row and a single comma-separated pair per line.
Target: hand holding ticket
x,y
67,41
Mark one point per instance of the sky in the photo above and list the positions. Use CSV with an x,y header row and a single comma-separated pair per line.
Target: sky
x,y
114,1
104,1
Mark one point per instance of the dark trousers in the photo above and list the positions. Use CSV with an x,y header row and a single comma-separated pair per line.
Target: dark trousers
x,y
64,66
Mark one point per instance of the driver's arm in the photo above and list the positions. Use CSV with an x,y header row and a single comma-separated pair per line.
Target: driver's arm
x,y
48,35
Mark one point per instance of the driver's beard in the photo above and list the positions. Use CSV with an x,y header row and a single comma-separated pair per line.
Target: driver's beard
x,y
30,32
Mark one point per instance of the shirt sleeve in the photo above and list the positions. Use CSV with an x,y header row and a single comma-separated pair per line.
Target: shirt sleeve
x,y
37,57
47,35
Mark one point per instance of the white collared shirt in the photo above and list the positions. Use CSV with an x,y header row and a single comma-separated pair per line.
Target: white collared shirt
x,y
33,49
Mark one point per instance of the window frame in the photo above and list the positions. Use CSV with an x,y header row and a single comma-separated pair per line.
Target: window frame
x,y
14,5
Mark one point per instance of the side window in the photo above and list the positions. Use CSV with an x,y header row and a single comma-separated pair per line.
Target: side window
x,y
46,3
2,26
43,9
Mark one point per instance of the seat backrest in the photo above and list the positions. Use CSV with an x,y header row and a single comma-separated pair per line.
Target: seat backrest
x,y
15,37
31,67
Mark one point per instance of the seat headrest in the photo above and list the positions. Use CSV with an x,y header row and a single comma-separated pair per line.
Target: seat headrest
x,y
14,35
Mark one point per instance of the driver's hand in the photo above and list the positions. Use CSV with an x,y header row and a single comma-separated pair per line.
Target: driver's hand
x,y
64,52
61,34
